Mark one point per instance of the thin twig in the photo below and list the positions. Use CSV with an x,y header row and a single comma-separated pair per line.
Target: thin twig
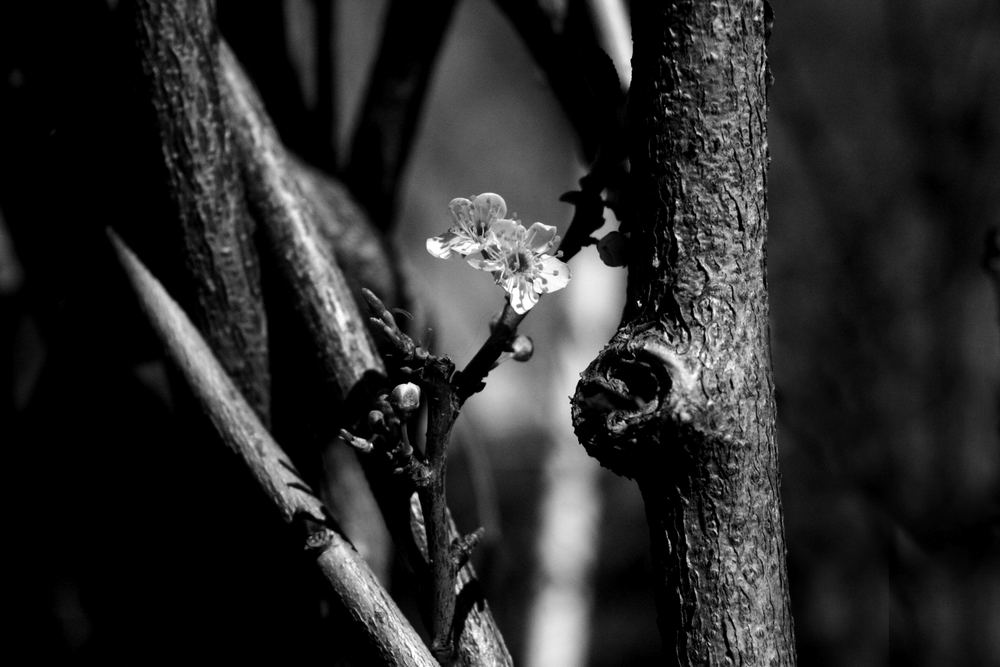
x,y
411,40
470,379
442,411
452,581
373,612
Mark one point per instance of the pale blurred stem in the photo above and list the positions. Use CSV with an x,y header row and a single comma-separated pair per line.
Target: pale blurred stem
x,y
411,40
376,619
442,411
176,49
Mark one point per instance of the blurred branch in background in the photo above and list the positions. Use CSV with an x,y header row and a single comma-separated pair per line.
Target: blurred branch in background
x,y
411,39
886,147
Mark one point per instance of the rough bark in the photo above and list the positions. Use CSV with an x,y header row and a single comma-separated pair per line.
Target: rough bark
x,y
177,52
682,397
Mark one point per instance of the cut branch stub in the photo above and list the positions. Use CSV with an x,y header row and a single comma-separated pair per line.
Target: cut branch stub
x,y
634,401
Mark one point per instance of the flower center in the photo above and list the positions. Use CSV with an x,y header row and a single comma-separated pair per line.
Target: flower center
x,y
519,261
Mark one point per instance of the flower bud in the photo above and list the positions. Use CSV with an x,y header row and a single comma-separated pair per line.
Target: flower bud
x,y
521,348
376,420
405,398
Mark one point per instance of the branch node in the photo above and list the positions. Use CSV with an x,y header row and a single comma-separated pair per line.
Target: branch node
x,y
462,548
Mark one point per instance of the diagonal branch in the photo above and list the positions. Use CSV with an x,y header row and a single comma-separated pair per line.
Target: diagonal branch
x,y
582,78
397,87
289,221
376,617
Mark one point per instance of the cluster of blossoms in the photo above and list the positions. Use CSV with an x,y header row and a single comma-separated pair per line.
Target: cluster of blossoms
x,y
520,259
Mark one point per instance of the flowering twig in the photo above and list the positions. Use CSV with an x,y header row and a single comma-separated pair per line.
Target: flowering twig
x,y
445,554
442,411
521,260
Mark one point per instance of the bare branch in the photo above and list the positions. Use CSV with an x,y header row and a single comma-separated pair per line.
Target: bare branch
x,y
363,253
375,615
289,220
442,411
470,379
177,46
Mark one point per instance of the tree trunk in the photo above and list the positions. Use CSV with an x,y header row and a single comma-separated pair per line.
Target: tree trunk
x,y
682,398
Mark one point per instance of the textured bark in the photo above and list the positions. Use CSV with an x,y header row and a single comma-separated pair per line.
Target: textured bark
x,y
323,299
681,399
177,47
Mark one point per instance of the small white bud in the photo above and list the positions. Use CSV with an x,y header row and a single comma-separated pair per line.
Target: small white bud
x,y
405,398
521,348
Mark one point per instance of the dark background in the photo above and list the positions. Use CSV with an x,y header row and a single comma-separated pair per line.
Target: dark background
x,y
132,536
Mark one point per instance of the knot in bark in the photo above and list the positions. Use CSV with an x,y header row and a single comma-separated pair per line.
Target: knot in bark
x,y
632,397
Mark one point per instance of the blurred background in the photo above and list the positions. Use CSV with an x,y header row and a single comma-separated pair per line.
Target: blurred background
x,y
885,179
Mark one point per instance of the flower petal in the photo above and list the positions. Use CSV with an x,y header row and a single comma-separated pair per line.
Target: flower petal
x,y
489,207
509,234
461,210
441,246
522,297
552,276
540,237
485,263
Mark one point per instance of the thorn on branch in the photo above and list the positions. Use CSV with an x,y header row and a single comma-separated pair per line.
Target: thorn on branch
x,y
462,548
384,321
